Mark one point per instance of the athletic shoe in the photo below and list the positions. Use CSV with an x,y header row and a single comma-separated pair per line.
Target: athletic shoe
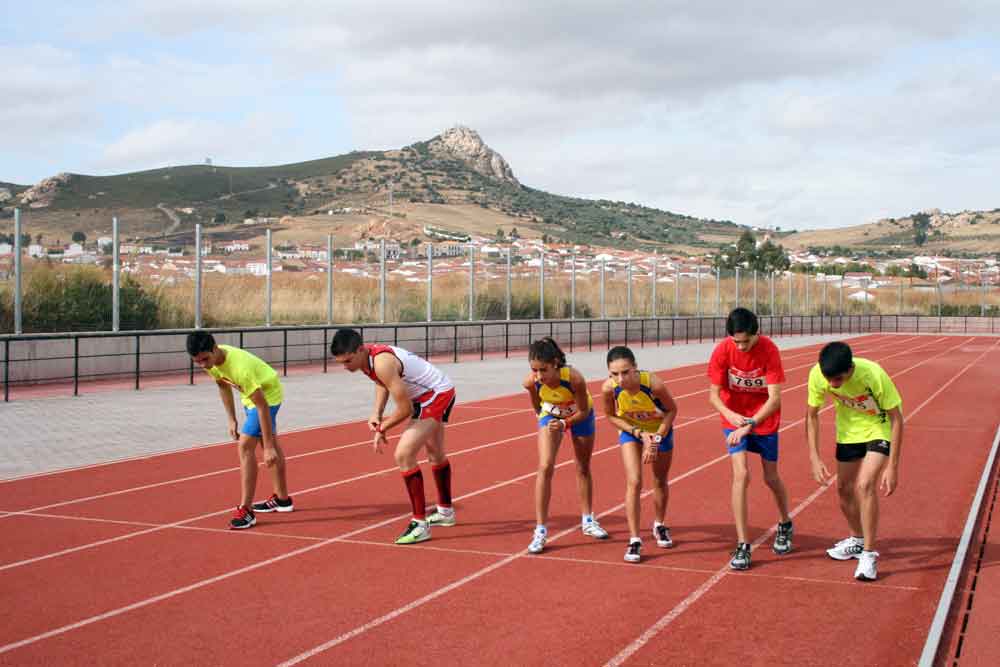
x,y
662,535
741,557
867,569
632,554
593,529
417,531
537,542
274,504
242,518
783,539
444,516
847,549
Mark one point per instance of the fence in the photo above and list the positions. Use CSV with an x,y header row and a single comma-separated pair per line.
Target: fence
x,y
75,358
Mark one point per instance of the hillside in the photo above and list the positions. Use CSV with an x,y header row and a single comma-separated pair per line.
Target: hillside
x,y
453,180
965,232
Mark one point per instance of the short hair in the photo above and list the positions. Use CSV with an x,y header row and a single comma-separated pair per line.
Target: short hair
x,y
742,320
548,351
620,352
835,359
345,341
199,341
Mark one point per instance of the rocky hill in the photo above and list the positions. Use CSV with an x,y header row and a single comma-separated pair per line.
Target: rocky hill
x,y
455,169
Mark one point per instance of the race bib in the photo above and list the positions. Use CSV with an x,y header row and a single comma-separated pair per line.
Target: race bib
x,y
863,403
559,411
752,381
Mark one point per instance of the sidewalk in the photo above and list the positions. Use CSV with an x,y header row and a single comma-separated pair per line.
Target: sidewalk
x,y
46,434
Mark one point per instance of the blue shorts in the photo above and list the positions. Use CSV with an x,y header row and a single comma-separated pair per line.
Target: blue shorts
x,y
765,445
666,444
581,430
251,425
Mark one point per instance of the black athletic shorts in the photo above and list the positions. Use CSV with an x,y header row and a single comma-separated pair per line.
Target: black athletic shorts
x,y
855,451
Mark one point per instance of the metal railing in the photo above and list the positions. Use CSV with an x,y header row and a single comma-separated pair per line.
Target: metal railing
x,y
131,356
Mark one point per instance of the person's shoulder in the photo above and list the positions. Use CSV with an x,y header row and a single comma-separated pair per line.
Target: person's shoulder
x,y
767,343
722,349
816,376
870,367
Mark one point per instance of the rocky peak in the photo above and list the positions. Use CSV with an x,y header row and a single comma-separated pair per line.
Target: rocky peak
x,y
466,144
42,194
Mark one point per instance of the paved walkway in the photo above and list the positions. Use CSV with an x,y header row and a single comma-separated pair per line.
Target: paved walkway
x,y
45,434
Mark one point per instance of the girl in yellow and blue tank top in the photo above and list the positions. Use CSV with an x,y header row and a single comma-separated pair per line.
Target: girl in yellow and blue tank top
x,y
639,404
560,398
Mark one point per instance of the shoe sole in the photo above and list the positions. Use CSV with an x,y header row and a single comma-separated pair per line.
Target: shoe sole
x,y
848,557
598,537
665,545
243,527
861,577
781,552
738,568
632,560
413,541
442,524
268,510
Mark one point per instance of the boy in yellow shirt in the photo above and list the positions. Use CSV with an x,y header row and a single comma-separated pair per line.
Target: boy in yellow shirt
x,y
261,394
869,439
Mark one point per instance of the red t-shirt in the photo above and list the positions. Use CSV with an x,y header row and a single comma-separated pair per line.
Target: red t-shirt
x,y
743,378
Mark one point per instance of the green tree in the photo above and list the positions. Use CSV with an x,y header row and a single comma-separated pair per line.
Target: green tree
x,y
79,237
501,237
219,218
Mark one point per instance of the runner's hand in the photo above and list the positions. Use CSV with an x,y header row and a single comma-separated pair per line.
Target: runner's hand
x,y
234,430
378,441
374,422
734,438
649,453
556,425
820,473
890,480
270,456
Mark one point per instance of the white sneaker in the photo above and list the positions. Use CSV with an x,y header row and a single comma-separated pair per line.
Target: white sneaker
x,y
662,535
443,516
867,569
537,542
633,553
593,529
847,549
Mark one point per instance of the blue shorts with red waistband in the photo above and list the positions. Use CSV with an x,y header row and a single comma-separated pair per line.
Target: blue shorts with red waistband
x,y
666,442
765,445
580,430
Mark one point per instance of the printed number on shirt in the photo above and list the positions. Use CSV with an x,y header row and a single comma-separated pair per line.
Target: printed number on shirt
x,y
863,403
753,381
559,411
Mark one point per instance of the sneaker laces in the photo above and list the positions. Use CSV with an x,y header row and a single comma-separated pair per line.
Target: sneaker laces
x,y
241,512
634,547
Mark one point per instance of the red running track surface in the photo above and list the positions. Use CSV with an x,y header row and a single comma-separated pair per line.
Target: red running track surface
x,y
130,563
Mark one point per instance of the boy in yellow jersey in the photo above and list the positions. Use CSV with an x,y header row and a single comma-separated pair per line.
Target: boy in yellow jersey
x,y
560,398
261,394
869,439
639,404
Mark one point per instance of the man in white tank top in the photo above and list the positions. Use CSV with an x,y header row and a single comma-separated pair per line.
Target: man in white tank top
x,y
422,395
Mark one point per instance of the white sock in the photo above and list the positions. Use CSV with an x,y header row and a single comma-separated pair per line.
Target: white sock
x,y
656,524
447,511
587,518
634,539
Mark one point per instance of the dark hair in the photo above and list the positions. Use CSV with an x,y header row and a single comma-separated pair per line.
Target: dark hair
x,y
620,352
345,341
200,341
547,350
835,359
742,320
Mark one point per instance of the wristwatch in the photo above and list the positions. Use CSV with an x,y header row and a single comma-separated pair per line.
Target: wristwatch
x,y
749,421
657,438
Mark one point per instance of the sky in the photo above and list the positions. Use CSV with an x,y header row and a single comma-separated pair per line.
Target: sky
x,y
795,114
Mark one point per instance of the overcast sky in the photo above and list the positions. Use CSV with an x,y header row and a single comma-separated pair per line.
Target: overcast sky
x,y
791,113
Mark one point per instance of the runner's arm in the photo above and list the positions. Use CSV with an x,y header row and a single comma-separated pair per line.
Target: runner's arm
x,y
387,370
715,398
660,391
608,398
536,400
226,394
579,387
264,417
772,405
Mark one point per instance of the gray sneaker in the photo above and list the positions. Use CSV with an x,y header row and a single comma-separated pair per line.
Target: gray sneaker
x,y
741,557
783,539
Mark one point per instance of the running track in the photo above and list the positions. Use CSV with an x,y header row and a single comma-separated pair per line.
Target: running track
x,y
129,563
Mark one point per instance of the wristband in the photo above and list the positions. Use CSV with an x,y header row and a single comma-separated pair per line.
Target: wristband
x,y
564,424
657,438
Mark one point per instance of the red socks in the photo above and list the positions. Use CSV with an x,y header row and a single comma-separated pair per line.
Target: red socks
x,y
442,477
414,481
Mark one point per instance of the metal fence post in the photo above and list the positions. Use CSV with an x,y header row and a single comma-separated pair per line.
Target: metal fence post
x,y
430,282
789,305
509,249
737,288
572,287
899,297
772,294
472,283
541,284
267,297
603,305
654,291
115,278
805,306
841,305
381,281
197,276
697,293
18,329
329,282
628,289
677,292
755,290
718,292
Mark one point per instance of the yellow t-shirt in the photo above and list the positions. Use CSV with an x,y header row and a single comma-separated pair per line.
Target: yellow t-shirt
x,y
248,373
640,409
561,398
862,401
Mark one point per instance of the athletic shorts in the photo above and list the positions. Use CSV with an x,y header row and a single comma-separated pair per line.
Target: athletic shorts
x,y
581,430
436,406
666,444
855,451
765,445
251,425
